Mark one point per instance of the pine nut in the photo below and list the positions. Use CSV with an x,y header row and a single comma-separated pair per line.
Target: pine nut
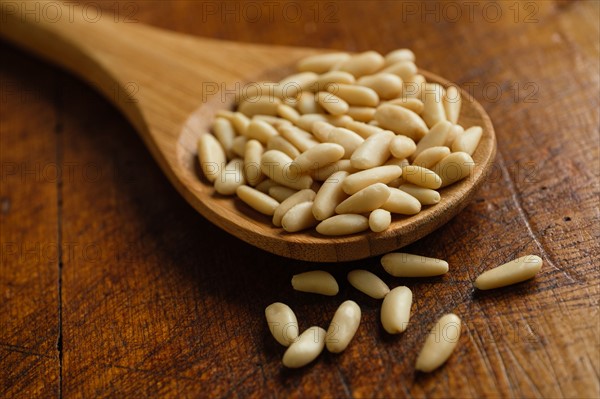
x,y
363,64
288,113
429,157
401,203
374,151
225,133
343,326
258,201
299,218
395,310
211,156
307,104
323,173
355,95
452,103
282,323
321,129
432,97
401,121
265,185
281,144
321,63
305,349
280,168
259,106
454,167
436,136
379,220
307,121
404,69
340,225
274,121
316,282
407,265
402,147
402,54
440,343
293,85
361,114
238,146
252,156
319,155
381,174
368,283
333,77
386,85
281,193
299,138
413,87
240,122
346,138
329,196
513,272
230,177
362,129
261,131
332,103
365,200
413,104
421,177
301,196
468,141
425,196
454,132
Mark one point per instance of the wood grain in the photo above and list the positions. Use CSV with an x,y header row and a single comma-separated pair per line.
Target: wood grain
x,y
161,303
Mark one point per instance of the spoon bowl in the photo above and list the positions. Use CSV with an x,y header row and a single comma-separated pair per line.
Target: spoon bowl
x,y
170,85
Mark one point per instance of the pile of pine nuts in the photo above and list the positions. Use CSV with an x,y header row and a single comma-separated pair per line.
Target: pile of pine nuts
x,y
395,308
342,145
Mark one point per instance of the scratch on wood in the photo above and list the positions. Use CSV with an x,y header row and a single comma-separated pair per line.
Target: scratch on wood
x,y
516,199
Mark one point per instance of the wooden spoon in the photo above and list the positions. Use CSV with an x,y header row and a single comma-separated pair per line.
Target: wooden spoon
x,y
170,85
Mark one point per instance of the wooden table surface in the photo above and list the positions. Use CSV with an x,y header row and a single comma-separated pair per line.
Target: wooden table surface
x,y
112,286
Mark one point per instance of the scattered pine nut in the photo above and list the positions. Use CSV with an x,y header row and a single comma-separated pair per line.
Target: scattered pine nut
x,y
343,326
440,343
316,282
395,310
282,323
368,283
513,272
305,349
407,265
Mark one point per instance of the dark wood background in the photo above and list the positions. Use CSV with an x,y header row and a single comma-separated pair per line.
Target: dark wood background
x,y
112,286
